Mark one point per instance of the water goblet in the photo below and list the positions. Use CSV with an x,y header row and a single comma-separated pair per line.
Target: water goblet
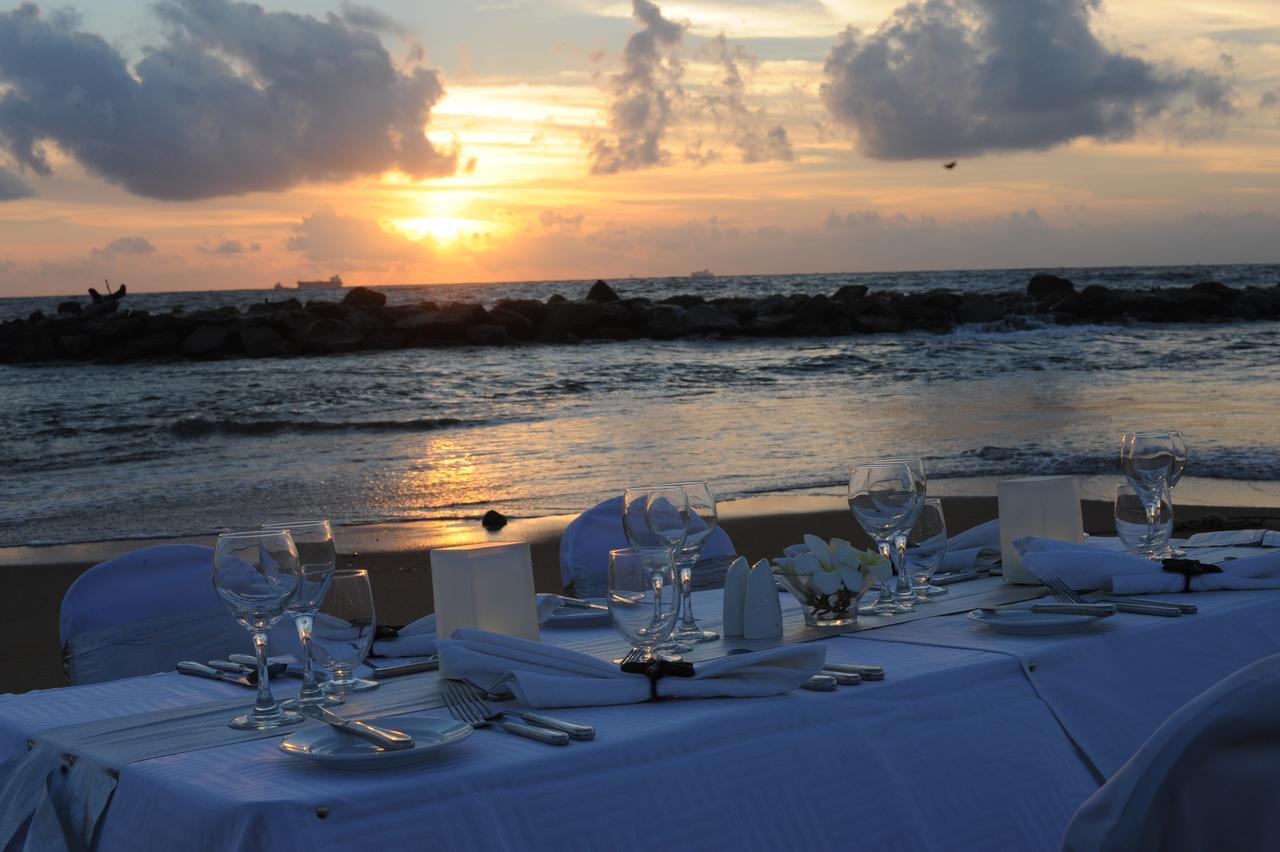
x,y
886,497
643,598
255,573
1133,528
343,632
702,523
926,547
1151,464
317,558
656,521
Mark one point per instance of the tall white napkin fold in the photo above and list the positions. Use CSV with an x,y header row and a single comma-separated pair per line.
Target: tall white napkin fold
x,y
543,675
1082,566
1234,538
976,547
418,638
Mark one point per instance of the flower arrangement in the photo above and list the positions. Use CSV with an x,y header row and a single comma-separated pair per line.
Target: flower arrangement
x,y
829,578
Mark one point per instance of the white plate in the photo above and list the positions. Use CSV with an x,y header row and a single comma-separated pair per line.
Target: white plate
x,y
1027,623
572,616
330,747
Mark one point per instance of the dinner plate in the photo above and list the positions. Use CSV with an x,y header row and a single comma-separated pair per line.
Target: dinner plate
x,y
1023,622
330,747
570,616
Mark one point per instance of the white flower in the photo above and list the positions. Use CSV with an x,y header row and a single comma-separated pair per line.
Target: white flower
x,y
828,564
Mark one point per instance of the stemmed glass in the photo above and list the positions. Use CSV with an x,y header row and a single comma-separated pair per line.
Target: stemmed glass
x,y
702,523
886,497
317,557
1153,463
656,522
255,574
926,547
1133,528
643,599
343,634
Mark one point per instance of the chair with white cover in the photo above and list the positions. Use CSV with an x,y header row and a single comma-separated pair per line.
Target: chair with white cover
x,y
586,542
142,612
1207,779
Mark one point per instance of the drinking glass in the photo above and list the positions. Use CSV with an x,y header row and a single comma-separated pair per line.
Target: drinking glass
x,y
643,598
656,522
1151,464
886,497
343,632
317,558
255,574
1133,528
702,515
926,547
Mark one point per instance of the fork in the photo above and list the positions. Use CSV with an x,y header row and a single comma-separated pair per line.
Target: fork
x,y
1064,593
465,706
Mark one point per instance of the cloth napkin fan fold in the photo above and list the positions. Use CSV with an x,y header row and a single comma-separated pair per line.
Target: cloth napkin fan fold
x,y
1082,566
543,675
977,547
418,639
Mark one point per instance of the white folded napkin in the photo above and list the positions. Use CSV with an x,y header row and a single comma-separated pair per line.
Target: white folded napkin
x,y
418,639
1235,538
543,675
1083,566
975,548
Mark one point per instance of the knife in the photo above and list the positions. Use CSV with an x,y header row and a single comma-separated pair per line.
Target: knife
x,y
956,577
1185,608
251,672
389,739
579,603
187,667
1148,608
864,672
382,672
1099,609
843,678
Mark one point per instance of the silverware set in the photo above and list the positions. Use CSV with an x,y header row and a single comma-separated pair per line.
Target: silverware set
x,y
1064,593
229,671
466,705
387,738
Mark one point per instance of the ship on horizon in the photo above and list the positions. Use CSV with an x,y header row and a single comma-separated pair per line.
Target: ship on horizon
x,y
701,274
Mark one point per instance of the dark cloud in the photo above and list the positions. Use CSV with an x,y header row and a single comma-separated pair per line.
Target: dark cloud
x,y
369,18
643,95
228,247
747,128
964,77
235,100
12,187
1269,99
125,246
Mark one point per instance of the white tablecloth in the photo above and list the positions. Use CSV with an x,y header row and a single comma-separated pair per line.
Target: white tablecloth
x,y
961,747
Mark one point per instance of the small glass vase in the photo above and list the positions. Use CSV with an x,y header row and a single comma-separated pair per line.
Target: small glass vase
x,y
838,608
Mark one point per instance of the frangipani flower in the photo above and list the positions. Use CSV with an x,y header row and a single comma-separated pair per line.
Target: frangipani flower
x,y
828,564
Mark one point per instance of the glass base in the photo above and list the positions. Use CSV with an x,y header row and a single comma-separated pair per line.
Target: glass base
x,y
265,721
671,646
694,635
356,684
320,700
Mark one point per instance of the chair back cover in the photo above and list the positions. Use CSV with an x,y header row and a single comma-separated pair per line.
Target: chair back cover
x,y
144,611
586,542
1208,778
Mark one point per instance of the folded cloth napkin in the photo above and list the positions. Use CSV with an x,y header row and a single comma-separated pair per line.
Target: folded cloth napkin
x,y
975,548
1083,566
543,675
1235,538
418,639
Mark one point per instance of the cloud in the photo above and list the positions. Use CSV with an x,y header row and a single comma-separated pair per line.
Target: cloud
x,y
125,246
234,100
746,127
643,95
228,247
561,221
12,187
329,237
1270,99
369,18
964,77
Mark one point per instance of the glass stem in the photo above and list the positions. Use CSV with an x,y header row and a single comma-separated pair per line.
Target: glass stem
x,y
887,584
686,596
266,703
900,568
310,688
1153,517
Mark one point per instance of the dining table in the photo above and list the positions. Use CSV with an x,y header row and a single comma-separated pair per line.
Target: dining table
x,y
973,740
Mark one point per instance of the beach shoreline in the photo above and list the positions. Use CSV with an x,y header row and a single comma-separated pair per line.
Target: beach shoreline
x,y
397,554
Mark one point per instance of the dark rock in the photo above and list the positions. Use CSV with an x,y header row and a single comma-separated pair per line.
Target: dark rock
x,y
814,310
100,309
260,341
385,339
364,320
531,309
327,310
662,322
1216,288
601,292
205,341
575,318
148,346
493,520
850,292
365,297
36,317
70,307
28,342
328,336
75,345
1096,291
683,301
489,334
710,319
979,307
449,324
517,326
1046,287
614,332
556,299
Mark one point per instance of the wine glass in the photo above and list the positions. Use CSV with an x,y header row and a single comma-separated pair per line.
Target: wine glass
x,y
886,497
1133,529
317,558
926,547
655,518
255,573
643,598
702,523
343,633
1151,464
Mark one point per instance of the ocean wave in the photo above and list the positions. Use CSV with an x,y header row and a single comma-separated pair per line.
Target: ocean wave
x,y
198,427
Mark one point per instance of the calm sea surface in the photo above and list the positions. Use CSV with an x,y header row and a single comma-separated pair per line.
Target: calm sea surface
x,y
97,452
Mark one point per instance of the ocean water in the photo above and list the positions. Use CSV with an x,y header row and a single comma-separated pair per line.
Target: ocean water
x,y
93,452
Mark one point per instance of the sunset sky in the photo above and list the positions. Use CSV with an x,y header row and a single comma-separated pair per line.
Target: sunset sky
x,y
192,144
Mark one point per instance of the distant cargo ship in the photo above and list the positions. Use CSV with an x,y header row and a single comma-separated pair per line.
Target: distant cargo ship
x,y
700,274
332,284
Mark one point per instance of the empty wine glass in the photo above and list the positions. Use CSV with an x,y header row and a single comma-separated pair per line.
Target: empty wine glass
x,y
317,558
926,547
702,523
886,497
643,598
1151,464
1133,529
255,574
656,522
343,632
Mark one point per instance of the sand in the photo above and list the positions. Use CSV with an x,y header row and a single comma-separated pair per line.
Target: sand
x,y
397,554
